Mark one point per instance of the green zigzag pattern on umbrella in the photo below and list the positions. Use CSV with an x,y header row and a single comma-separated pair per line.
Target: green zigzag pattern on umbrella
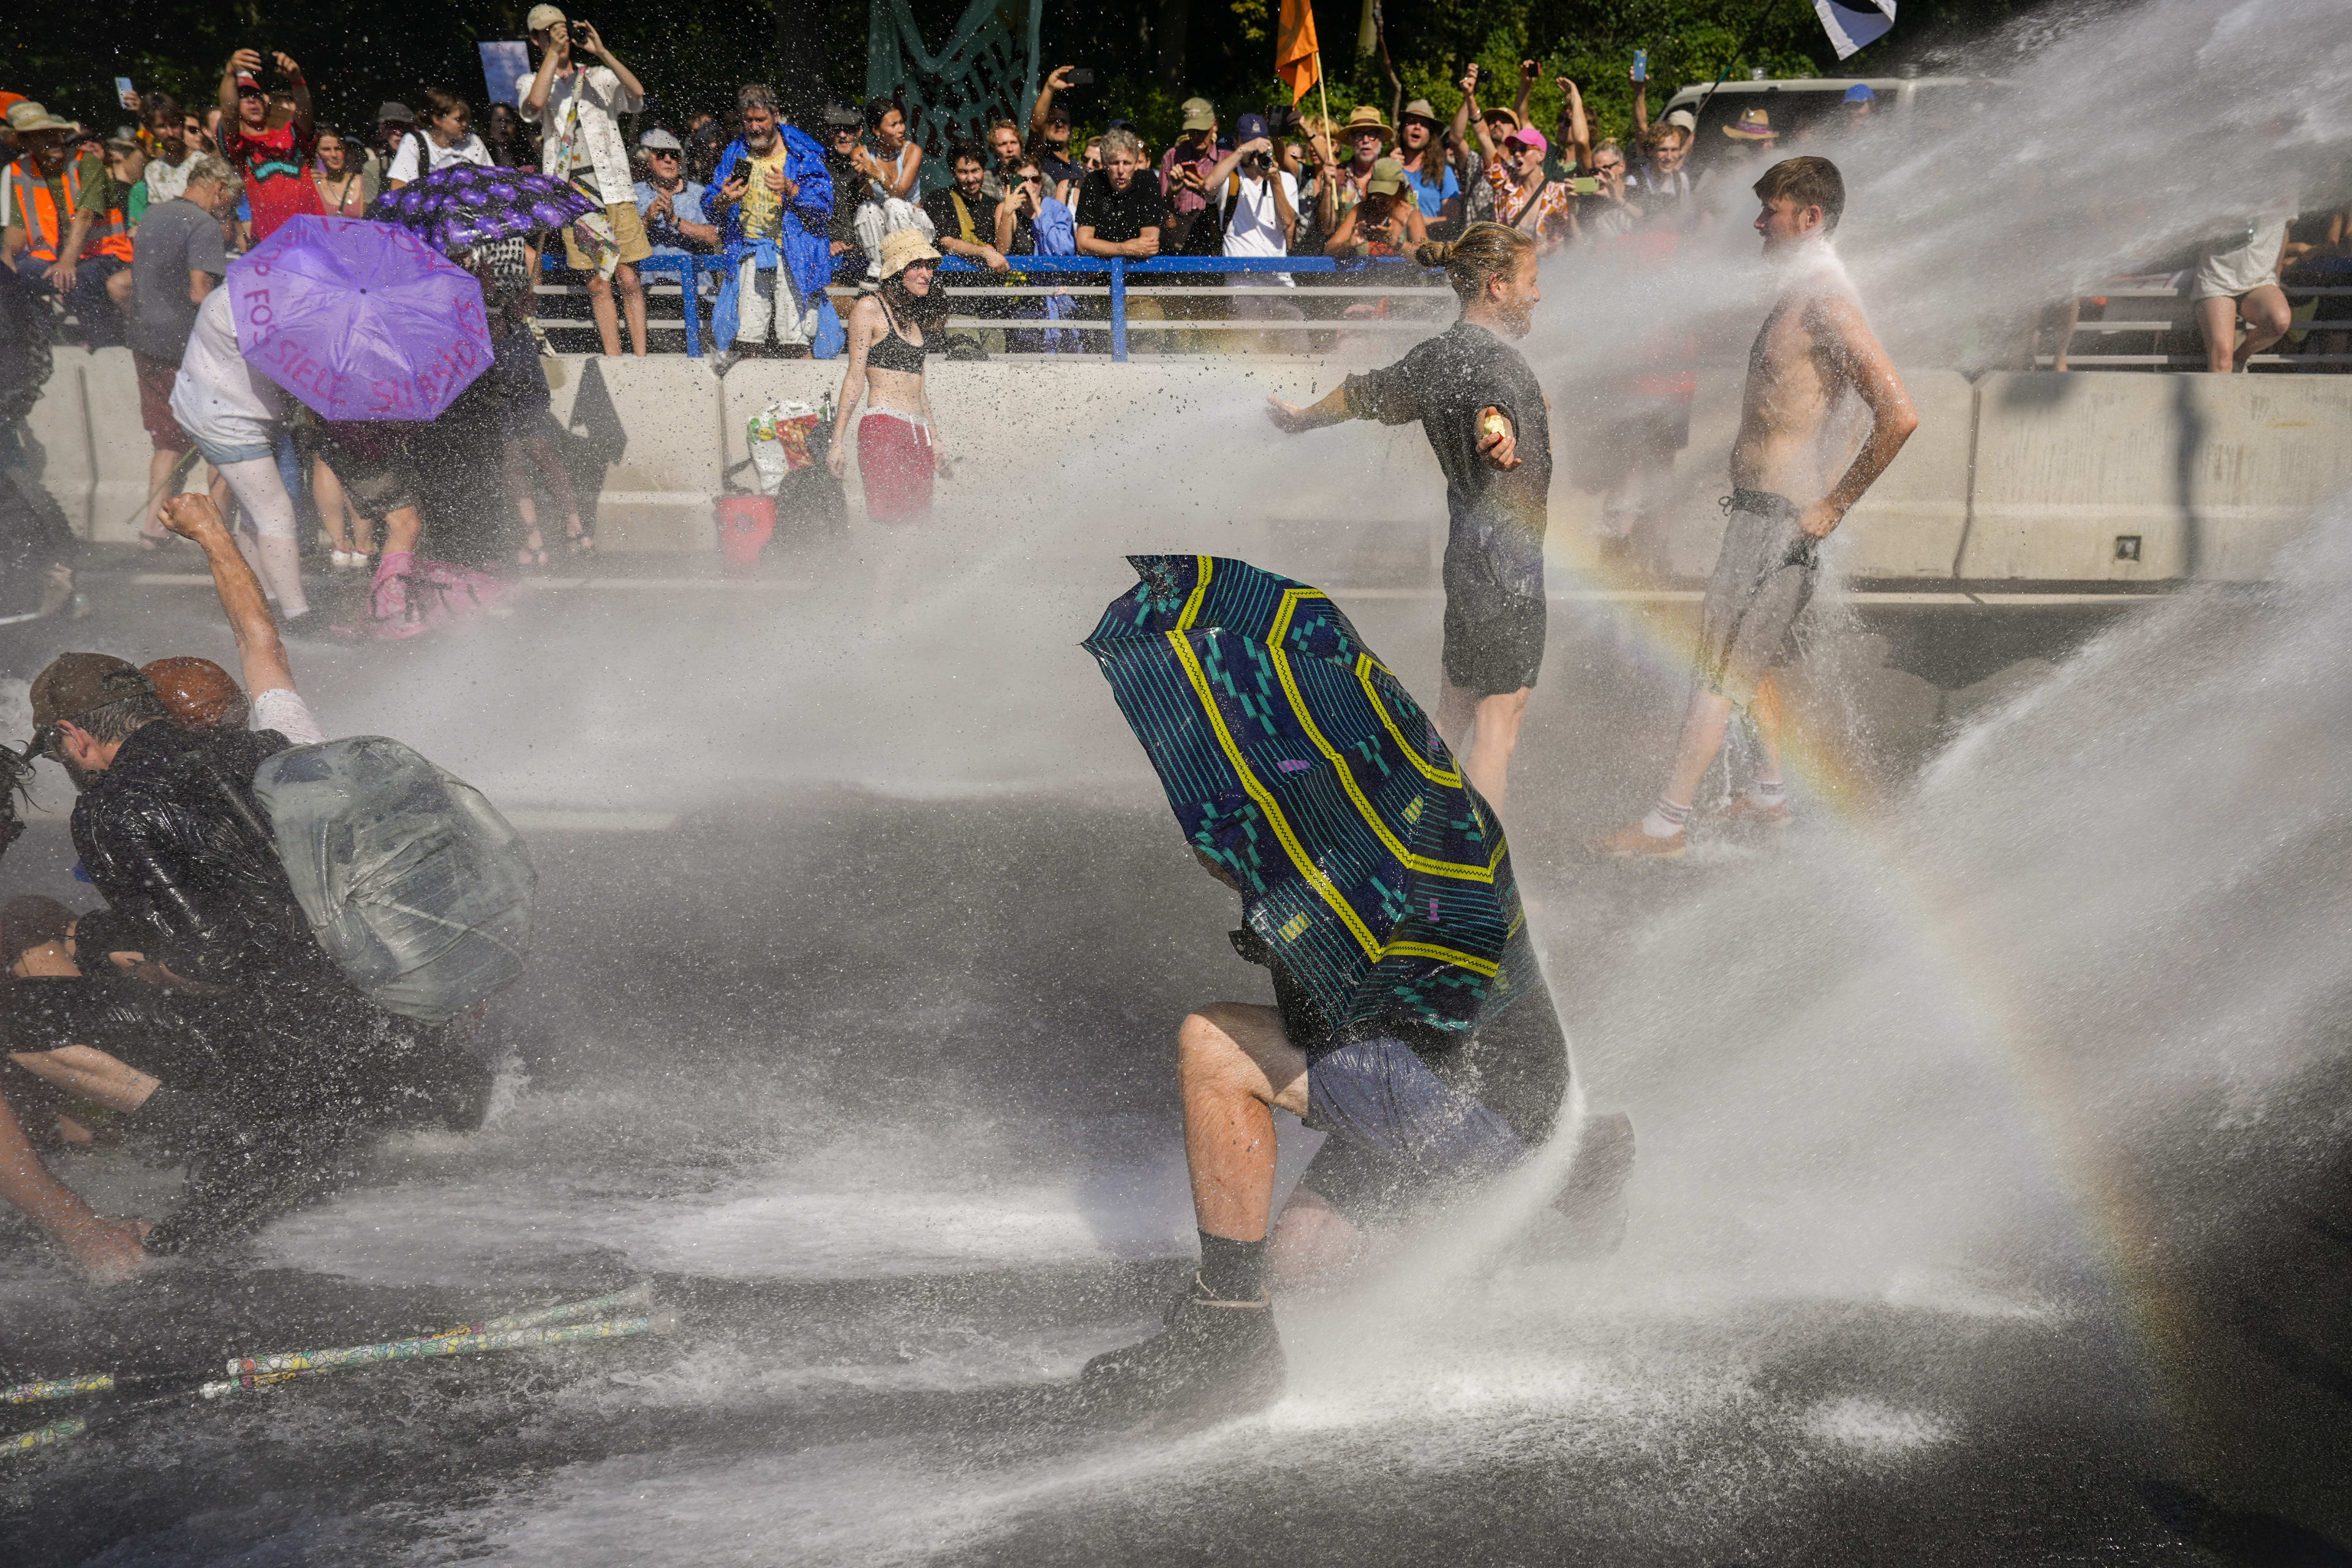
x,y
1296,763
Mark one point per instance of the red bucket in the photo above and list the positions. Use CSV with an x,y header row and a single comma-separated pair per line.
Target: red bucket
x,y
745,523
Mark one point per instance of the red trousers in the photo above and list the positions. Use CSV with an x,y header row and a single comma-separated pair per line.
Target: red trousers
x,y
894,457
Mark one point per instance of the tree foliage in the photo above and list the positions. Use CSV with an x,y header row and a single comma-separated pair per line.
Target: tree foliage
x,y
68,52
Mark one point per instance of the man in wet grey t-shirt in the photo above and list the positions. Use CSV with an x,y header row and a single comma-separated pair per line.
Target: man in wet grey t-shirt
x,y
175,260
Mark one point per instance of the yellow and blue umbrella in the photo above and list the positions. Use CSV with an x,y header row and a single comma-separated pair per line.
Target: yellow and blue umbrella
x,y
1299,764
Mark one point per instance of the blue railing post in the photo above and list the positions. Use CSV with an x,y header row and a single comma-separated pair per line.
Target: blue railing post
x,y
689,285
1119,307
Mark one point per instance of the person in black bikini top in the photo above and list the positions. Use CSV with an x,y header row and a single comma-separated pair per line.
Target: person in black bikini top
x,y
898,449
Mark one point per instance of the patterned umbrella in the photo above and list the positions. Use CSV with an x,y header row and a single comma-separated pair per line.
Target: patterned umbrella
x,y
461,205
1300,765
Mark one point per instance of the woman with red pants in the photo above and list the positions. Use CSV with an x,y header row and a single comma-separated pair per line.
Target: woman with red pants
x,y
899,448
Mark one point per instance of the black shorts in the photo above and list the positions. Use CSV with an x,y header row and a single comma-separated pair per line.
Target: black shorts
x,y
1494,642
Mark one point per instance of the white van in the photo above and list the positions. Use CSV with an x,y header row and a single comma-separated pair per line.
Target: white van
x,y
1806,110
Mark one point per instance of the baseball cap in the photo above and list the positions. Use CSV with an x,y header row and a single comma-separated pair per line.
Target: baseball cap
x,y
1059,110
395,114
1200,115
1387,178
74,684
1530,137
1249,128
659,141
541,17
1860,93
1685,118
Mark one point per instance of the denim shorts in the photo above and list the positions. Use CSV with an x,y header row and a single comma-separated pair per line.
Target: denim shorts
x,y
1399,1137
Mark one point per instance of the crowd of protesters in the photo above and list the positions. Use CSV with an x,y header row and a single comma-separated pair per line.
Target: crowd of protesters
x,y
786,228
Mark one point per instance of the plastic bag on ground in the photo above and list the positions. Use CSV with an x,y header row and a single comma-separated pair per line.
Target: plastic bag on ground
x,y
778,437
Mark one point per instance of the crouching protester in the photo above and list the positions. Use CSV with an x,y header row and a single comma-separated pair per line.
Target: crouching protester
x,y
200,1008
1409,1025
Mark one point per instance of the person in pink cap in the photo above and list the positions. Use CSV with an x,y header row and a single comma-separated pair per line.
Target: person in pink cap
x,y
1525,197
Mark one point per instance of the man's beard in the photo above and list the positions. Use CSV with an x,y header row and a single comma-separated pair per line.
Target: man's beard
x,y
763,148
1518,316
80,775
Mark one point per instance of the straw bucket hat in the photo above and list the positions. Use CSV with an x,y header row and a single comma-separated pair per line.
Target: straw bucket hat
x,y
1367,117
902,248
1755,125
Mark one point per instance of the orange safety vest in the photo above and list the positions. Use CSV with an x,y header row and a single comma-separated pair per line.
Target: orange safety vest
x,y
33,207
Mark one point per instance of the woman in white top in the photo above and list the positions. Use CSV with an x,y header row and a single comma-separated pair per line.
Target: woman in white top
x,y
447,138
234,414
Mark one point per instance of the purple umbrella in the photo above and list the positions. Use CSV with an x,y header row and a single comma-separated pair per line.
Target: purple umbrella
x,y
360,320
460,205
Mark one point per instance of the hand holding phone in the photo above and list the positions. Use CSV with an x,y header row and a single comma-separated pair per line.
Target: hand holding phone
x,y
1641,65
1080,75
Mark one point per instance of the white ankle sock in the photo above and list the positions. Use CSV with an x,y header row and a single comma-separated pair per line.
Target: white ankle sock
x,y
1666,819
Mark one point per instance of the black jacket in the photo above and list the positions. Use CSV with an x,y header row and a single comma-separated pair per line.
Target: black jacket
x,y
170,835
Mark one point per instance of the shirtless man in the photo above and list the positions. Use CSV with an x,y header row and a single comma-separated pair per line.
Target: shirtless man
x,y
1814,346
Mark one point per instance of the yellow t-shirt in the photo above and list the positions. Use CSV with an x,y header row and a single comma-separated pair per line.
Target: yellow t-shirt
x,y
763,209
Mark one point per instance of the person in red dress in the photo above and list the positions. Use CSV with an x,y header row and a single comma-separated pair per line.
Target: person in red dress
x,y
272,140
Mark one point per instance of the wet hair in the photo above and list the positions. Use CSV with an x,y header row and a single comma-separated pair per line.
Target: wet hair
x,y
1484,252
15,784
117,719
962,151
755,95
161,107
1122,140
28,920
1808,183
876,108
212,168
438,104
1608,144
1658,135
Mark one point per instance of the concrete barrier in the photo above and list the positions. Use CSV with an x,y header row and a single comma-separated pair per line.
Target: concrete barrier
x,y
650,427
2086,477
2032,476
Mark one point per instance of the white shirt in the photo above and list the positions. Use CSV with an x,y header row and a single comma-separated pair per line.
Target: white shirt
x,y
218,399
404,162
282,709
1253,226
580,111
165,180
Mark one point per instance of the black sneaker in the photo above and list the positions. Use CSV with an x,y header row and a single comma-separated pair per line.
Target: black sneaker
x,y
1215,1360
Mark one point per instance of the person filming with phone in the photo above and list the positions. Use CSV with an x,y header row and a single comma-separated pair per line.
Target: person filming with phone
x,y
577,109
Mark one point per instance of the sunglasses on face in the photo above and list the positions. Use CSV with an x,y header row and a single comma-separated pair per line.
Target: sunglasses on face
x,y
659,153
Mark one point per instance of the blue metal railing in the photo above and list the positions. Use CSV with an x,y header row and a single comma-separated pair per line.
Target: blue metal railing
x,y
687,269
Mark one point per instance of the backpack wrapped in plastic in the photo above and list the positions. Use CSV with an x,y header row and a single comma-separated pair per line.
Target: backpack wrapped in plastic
x,y
418,889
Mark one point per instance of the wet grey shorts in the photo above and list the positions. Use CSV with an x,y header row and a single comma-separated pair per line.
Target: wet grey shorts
x,y
1398,1135
1762,582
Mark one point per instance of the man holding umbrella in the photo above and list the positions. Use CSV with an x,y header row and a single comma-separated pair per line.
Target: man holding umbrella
x,y
1411,1022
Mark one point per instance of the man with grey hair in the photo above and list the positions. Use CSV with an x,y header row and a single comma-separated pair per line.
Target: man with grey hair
x,y
773,208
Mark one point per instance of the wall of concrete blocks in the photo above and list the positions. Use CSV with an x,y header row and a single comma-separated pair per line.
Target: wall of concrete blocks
x,y
2013,478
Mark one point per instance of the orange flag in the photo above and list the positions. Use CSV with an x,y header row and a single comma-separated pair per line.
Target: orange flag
x,y
1298,57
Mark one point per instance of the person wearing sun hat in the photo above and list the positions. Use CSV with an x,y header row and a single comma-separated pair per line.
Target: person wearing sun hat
x,y
899,450
1528,199
1434,187
1370,136
1753,126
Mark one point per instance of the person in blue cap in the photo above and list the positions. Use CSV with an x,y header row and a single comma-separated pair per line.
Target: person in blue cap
x,y
1860,102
